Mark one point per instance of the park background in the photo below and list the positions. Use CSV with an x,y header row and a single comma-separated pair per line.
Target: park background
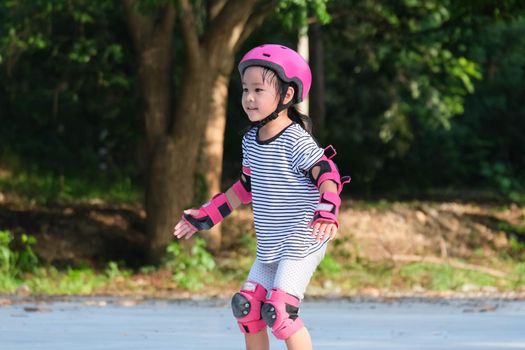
x,y
116,115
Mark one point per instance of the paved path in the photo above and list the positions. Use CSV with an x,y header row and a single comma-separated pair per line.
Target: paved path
x,y
363,325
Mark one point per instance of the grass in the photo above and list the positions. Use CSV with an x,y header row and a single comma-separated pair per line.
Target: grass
x,y
347,279
51,281
197,271
384,275
443,277
43,187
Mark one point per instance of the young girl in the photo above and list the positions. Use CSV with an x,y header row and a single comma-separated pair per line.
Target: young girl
x,y
294,189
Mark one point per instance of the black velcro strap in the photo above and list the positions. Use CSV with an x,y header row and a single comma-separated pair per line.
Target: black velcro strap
x,y
246,182
330,152
324,167
203,223
224,209
293,311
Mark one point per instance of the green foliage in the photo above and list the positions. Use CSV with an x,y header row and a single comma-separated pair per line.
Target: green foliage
x,y
51,281
248,242
411,87
329,267
482,147
443,277
519,276
45,186
7,257
22,266
296,13
14,263
405,68
516,234
65,68
113,271
190,269
72,281
502,177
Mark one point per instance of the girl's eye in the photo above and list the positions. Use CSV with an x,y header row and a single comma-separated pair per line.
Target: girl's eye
x,y
259,90
244,90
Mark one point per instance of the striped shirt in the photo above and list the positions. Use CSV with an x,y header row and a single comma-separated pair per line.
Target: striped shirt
x,y
283,197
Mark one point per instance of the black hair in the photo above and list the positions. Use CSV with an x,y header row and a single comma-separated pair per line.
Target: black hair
x,y
302,119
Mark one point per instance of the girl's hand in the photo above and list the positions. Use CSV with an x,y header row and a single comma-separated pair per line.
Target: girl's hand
x,y
324,230
183,229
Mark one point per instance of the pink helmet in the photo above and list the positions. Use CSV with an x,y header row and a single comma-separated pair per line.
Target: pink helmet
x,y
288,64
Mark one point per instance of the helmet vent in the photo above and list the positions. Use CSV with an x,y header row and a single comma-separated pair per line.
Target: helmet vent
x,y
267,55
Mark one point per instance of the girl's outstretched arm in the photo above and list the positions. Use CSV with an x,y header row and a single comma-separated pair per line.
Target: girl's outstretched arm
x,y
214,211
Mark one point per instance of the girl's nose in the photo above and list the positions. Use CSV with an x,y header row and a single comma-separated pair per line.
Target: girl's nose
x,y
249,97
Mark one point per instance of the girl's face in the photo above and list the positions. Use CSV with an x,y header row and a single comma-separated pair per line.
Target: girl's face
x,y
259,96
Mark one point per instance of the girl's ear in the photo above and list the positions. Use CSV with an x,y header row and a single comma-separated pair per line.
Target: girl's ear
x,y
289,94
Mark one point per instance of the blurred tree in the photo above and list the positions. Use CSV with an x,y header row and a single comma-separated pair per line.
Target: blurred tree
x,y
396,75
317,108
489,135
65,86
483,147
211,33
395,66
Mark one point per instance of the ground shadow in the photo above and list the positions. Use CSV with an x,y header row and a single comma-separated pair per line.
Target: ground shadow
x,y
80,235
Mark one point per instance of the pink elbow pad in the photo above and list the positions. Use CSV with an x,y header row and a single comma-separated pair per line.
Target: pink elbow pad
x,y
243,188
328,171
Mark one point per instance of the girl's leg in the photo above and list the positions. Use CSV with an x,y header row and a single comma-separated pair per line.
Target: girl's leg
x,y
293,276
263,274
300,340
257,341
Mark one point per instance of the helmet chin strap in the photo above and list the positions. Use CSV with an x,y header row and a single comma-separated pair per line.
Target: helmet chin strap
x,y
280,107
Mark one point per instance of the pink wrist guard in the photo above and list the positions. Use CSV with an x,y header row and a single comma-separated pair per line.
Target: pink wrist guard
x,y
210,213
327,209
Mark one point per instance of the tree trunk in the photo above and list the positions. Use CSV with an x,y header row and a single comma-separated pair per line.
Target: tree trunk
x,y
152,37
173,139
222,62
302,49
317,92
164,197
170,188
212,151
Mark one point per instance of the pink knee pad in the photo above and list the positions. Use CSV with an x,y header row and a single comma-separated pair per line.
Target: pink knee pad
x,y
246,306
280,311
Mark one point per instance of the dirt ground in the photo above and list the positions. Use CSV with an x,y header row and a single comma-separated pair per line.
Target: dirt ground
x,y
94,234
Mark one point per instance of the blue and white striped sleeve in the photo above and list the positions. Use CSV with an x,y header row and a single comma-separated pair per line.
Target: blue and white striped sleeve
x,y
306,152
